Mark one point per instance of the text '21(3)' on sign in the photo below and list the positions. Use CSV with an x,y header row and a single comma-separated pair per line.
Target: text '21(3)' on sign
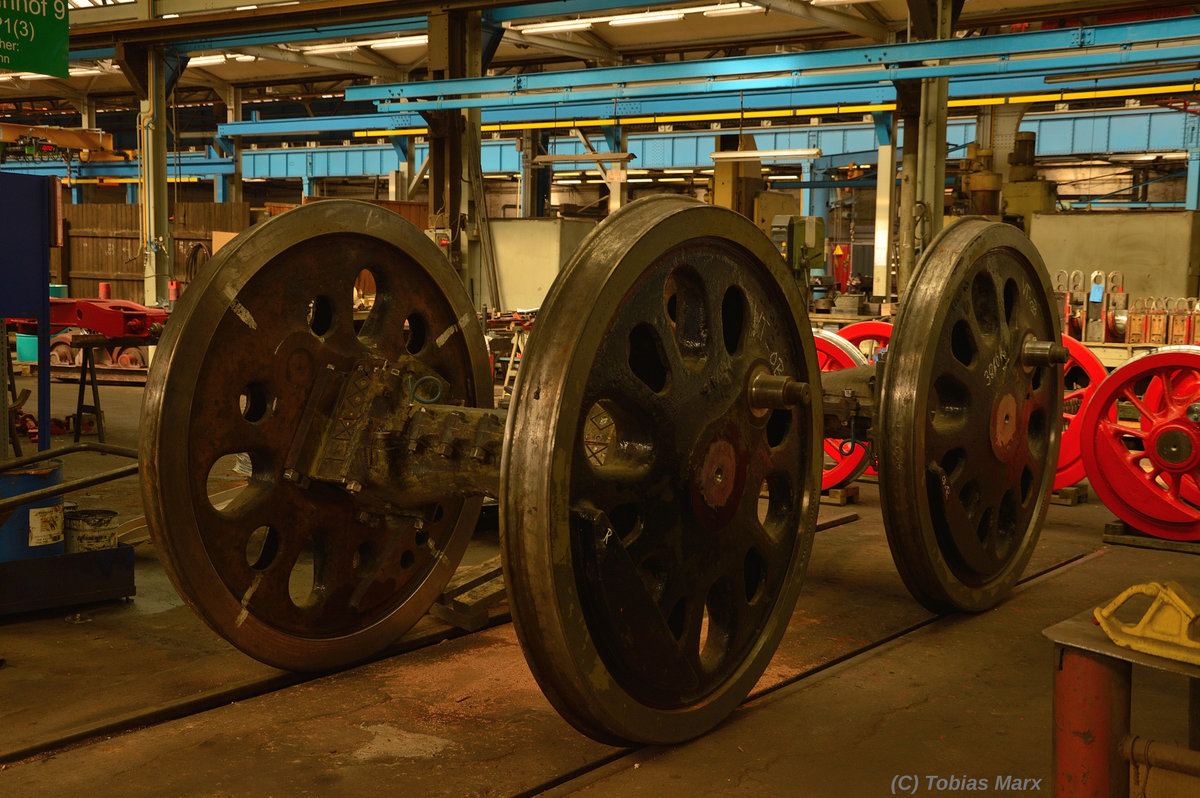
x,y
33,36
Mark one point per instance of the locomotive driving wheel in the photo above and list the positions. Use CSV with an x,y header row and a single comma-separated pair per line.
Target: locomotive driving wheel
x,y
1144,462
975,361
293,573
664,390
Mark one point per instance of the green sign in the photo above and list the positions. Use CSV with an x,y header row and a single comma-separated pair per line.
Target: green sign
x,y
33,36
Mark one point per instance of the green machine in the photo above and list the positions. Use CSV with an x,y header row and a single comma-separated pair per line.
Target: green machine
x,y
801,241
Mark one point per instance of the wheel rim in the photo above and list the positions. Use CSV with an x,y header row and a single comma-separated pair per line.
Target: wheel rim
x,y
281,571
1082,374
965,487
611,577
868,337
1146,470
834,353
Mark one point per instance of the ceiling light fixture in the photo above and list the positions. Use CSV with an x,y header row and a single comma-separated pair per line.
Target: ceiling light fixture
x,y
562,26
765,155
1122,72
374,44
646,18
734,9
206,60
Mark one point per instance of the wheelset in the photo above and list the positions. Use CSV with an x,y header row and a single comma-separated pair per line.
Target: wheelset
x,y
658,472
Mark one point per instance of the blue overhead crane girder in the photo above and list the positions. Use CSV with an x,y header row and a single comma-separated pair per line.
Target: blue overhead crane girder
x,y
896,58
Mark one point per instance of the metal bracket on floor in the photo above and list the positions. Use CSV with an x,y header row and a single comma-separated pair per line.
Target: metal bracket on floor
x,y
471,593
1165,630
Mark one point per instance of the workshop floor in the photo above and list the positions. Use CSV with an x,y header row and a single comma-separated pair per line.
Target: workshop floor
x,y
140,698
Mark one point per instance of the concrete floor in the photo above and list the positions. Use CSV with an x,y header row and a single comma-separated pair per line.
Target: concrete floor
x,y
139,698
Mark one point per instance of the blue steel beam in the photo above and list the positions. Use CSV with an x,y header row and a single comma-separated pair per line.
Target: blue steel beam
x,y
1141,130
1078,134
800,80
890,56
184,164
581,113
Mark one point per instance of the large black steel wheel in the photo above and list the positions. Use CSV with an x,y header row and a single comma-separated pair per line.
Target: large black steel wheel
x,y
291,573
649,583
968,430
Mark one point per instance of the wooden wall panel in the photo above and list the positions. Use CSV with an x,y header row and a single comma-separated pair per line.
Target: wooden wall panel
x,y
102,244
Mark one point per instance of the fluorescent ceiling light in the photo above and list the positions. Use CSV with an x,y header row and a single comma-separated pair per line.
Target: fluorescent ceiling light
x,y
571,182
641,180
206,60
783,177
562,26
1122,72
646,18
672,180
374,44
402,41
678,171
764,155
734,9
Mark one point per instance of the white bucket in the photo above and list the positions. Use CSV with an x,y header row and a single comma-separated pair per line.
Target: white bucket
x,y
90,530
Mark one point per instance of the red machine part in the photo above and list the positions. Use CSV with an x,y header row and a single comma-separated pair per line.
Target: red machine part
x,y
1084,373
1147,469
870,337
115,318
840,469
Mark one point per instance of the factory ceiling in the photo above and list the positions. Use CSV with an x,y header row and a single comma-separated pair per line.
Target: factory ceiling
x,y
304,51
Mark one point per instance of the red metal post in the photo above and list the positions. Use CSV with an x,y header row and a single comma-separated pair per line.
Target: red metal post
x,y
1091,720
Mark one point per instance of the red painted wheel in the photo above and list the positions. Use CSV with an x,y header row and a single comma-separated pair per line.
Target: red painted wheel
x,y
839,469
869,337
1187,383
1146,468
1083,374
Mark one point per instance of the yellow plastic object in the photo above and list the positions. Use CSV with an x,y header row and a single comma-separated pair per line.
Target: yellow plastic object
x,y
1164,631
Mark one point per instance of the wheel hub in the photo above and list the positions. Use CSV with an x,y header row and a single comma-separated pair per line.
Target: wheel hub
x,y
1004,427
717,474
1175,447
